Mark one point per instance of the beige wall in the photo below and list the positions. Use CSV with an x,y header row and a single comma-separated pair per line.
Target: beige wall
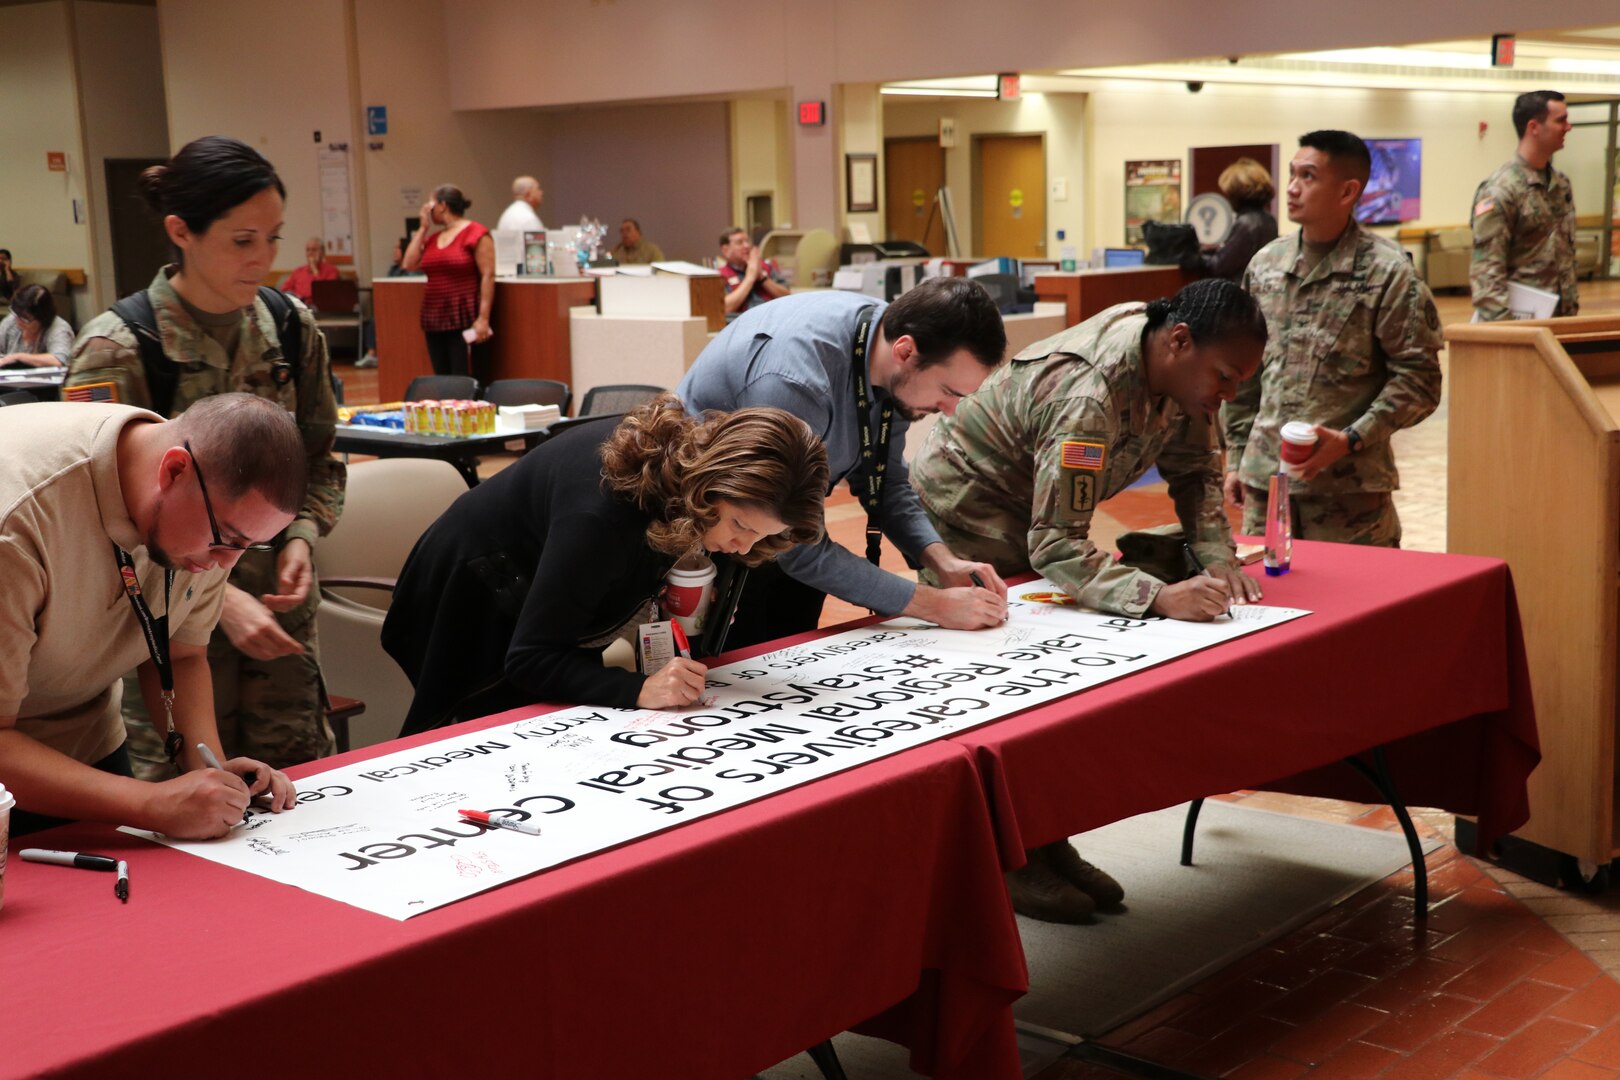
x,y
862,132
1060,116
270,75
121,85
40,115
669,166
761,156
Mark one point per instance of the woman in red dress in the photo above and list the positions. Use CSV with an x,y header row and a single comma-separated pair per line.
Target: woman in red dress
x,y
459,261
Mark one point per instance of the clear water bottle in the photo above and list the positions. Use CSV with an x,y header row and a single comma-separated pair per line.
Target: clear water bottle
x,y
1279,527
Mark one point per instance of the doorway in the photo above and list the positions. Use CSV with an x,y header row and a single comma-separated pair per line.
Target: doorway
x,y
1591,160
1009,215
139,248
914,171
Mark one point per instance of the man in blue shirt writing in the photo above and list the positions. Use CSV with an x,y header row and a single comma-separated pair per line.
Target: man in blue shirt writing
x,y
858,371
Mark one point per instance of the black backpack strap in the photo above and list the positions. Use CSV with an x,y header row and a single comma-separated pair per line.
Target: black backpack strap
x,y
289,328
162,374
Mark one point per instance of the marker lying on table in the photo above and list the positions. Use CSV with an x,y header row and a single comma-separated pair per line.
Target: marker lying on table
x,y
121,887
82,860
500,822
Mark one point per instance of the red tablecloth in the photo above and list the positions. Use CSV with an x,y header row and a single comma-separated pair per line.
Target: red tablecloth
x,y
1420,653
711,950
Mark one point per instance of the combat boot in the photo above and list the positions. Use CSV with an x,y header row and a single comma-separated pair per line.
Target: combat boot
x,y
1037,891
1097,884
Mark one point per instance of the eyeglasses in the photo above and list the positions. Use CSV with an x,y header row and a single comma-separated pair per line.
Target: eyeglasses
x,y
213,522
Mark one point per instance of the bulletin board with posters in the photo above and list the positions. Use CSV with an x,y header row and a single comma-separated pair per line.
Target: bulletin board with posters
x,y
1152,193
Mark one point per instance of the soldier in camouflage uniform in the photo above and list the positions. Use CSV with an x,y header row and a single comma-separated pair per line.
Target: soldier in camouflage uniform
x,y
265,646
1524,215
1353,350
1014,476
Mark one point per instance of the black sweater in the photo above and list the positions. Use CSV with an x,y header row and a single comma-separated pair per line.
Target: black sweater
x,y
514,577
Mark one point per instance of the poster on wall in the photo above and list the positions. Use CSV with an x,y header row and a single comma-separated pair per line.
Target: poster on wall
x,y
337,215
1152,193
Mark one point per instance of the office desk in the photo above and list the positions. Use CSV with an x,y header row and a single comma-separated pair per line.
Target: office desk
x,y
463,453
714,949
1417,652
1087,292
529,317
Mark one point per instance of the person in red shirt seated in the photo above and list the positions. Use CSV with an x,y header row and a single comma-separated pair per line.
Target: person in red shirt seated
x,y
300,282
750,281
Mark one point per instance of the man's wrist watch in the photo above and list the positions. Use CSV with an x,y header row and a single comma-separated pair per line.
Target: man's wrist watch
x,y
1354,438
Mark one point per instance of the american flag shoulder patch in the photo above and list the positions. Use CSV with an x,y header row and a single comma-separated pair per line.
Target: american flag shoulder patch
x,y
1484,206
1079,454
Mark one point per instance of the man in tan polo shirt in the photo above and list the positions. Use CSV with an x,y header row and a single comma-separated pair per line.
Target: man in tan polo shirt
x,y
98,502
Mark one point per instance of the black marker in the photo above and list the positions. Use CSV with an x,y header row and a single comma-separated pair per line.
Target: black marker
x,y
973,576
121,887
81,860
1197,569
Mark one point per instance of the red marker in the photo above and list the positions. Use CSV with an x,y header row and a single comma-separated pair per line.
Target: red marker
x,y
499,822
682,646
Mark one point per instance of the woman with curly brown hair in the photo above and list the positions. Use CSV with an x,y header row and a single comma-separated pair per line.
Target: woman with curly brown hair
x,y
510,597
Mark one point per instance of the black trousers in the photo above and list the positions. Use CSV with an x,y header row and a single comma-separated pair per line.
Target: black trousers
x,y
22,821
773,606
451,355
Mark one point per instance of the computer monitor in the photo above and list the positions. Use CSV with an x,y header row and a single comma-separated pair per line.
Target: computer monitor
x,y
1116,258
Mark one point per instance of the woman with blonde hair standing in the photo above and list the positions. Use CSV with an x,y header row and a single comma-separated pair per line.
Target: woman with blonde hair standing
x,y
510,597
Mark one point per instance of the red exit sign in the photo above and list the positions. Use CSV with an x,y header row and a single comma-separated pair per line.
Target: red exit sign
x,y
812,113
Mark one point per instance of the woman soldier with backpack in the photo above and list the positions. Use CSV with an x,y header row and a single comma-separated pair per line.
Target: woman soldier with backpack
x,y
205,326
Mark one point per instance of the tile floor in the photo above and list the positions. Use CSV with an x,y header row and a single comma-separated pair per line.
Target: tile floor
x,y
1506,978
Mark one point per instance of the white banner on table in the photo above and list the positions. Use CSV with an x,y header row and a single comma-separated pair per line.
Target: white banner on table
x,y
384,834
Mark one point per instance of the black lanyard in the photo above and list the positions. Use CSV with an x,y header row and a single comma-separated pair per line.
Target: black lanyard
x,y
874,450
156,631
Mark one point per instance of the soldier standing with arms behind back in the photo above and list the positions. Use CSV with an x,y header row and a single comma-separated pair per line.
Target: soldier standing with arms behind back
x,y
1353,350
208,328
1524,215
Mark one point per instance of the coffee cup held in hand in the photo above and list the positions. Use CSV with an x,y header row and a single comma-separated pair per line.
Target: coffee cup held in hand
x,y
1298,444
689,592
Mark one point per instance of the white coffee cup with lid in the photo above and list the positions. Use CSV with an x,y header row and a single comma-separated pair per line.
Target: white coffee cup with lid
x,y
1298,444
689,592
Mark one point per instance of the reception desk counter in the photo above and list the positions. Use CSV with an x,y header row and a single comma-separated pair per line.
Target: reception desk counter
x,y
529,317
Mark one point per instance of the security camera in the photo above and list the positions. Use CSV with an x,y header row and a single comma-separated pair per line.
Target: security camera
x,y
1194,87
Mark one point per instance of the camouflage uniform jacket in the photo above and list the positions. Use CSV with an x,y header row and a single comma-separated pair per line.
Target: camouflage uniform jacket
x,y
106,351
1354,343
1524,231
1060,427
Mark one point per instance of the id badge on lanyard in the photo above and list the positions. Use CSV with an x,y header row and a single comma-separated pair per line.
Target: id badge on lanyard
x,y
874,448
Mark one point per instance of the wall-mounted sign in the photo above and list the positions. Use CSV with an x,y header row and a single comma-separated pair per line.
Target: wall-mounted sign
x,y
376,119
1007,86
1502,50
56,160
812,113
947,131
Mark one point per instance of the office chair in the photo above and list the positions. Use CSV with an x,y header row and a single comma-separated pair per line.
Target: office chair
x,y
387,506
605,400
442,388
529,392
17,397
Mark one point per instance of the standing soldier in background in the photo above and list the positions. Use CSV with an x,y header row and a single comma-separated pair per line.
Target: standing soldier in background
x,y
1524,215
205,327
1353,350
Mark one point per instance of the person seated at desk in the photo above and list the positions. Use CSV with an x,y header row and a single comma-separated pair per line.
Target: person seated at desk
x,y
750,280
1013,477
107,501
1248,186
510,597
633,248
8,276
300,282
33,335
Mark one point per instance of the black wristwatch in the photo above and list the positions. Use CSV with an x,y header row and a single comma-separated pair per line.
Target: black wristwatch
x,y
1354,438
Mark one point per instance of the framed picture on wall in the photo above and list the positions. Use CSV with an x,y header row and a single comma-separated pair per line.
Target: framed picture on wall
x,y
1152,193
860,183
